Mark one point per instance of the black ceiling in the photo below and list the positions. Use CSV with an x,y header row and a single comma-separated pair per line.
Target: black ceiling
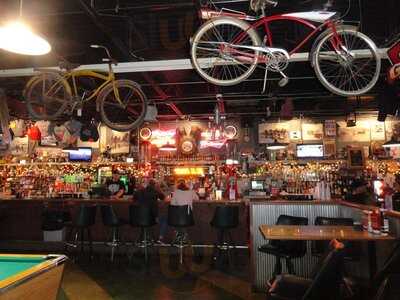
x,y
160,30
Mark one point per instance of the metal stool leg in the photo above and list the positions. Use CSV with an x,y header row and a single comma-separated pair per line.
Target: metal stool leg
x,y
278,267
289,266
114,242
81,231
145,244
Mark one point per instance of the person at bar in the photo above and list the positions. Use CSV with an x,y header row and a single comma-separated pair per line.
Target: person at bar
x,y
361,192
115,187
183,195
149,197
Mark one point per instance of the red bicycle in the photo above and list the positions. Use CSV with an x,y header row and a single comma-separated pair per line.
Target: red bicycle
x,y
227,48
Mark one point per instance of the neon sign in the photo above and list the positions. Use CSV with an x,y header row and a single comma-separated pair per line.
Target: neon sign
x,y
189,171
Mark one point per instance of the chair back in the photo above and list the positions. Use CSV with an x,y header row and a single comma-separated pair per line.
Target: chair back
x,y
109,216
180,216
295,248
327,281
352,249
86,216
141,216
389,288
226,217
390,266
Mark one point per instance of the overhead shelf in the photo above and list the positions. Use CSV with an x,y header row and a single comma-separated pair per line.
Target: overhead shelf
x,y
147,66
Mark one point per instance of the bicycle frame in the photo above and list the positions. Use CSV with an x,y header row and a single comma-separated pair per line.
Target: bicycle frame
x,y
73,75
265,22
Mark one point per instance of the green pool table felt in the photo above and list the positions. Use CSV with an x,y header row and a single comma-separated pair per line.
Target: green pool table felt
x,y
11,265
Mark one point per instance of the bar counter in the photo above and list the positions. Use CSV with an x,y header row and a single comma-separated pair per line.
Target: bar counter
x,y
21,219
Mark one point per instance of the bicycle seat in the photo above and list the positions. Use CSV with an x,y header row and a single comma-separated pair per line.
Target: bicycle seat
x,y
65,65
257,5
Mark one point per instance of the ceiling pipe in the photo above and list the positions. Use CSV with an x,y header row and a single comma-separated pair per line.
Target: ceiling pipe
x,y
91,12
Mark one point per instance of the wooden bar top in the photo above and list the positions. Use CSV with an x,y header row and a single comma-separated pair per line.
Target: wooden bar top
x,y
309,232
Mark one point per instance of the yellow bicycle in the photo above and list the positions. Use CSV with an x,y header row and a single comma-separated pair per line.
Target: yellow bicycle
x,y
121,103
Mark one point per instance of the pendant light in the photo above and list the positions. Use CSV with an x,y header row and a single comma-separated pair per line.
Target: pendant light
x,y
17,37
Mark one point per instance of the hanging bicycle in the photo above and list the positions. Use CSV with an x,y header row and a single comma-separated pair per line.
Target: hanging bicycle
x,y
227,49
121,103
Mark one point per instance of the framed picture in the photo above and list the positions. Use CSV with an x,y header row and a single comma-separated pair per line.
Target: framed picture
x,y
355,158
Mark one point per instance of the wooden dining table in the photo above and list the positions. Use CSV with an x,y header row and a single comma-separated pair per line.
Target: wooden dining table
x,y
319,233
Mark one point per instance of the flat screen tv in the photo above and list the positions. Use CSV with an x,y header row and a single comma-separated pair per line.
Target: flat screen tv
x,y
310,151
81,155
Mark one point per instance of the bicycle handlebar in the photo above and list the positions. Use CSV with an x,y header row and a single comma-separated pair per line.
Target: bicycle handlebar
x,y
110,59
272,3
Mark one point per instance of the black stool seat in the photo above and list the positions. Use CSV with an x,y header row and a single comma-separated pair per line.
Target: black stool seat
x,y
286,249
180,217
352,251
110,219
142,216
225,219
278,251
84,220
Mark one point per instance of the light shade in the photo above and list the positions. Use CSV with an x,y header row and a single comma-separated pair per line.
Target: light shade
x,y
18,38
276,146
390,144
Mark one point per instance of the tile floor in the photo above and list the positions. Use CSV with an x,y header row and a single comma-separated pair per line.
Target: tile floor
x,y
163,278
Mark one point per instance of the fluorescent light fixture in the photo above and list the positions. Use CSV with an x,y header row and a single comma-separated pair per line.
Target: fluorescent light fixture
x,y
19,38
391,144
129,160
276,146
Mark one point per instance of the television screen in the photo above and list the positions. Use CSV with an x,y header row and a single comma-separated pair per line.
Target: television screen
x,y
81,154
257,185
311,150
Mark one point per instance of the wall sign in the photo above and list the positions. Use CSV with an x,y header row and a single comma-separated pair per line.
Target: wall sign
x,y
330,128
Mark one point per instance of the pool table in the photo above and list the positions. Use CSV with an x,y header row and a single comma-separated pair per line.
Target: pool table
x,y
30,277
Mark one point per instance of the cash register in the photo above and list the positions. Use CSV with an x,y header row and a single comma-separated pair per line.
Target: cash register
x,y
257,189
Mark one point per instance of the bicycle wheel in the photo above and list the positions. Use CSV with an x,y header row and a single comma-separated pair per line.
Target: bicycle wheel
x,y
47,96
127,115
219,52
352,71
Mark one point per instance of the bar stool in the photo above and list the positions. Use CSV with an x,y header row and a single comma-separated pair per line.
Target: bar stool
x,y
111,220
352,251
180,217
142,216
287,250
224,220
84,220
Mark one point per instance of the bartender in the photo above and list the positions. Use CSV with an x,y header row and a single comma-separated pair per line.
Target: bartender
x,y
361,192
115,187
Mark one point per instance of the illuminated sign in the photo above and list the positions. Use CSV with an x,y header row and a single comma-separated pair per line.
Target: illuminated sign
x,y
189,171
160,137
212,144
